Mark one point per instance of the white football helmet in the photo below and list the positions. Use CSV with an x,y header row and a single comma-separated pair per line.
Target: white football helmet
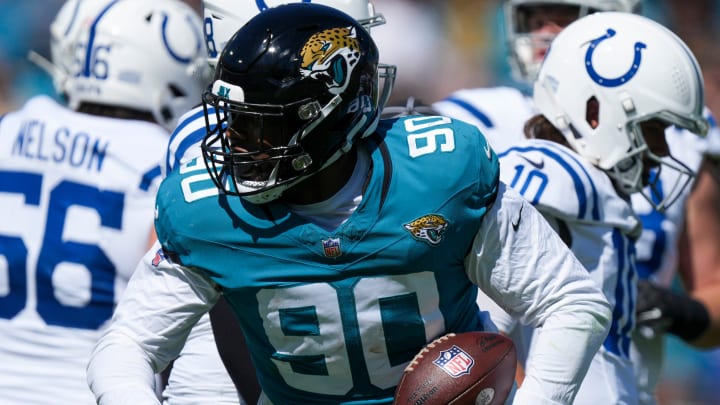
x,y
621,69
224,17
72,16
523,46
137,54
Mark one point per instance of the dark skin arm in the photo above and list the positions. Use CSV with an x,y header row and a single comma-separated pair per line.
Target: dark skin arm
x,y
233,351
699,248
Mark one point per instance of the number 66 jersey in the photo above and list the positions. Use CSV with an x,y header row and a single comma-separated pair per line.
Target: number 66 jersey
x,y
77,198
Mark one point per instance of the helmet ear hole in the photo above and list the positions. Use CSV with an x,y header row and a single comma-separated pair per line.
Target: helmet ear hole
x,y
176,91
166,114
592,112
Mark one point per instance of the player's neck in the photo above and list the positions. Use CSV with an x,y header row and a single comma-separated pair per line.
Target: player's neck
x,y
324,184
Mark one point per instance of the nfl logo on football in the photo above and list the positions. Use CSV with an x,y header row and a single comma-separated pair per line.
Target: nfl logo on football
x,y
455,362
331,247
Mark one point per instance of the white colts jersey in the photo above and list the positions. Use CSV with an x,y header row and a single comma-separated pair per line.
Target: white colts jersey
x,y
582,205
198,375
499,112
657,247
77,195
184,144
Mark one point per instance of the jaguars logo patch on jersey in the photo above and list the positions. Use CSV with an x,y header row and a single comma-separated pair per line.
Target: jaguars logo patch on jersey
x,y
428,228
330,56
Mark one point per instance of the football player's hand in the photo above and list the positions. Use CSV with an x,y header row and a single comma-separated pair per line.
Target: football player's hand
x,y
662,310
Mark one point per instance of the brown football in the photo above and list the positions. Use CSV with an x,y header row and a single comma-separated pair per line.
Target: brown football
x,y
472,368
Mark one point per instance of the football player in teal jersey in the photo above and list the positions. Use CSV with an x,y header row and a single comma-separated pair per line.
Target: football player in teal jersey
x,y
200,356
343,243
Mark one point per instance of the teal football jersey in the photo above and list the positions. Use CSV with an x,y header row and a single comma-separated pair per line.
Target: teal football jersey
x,y
334,317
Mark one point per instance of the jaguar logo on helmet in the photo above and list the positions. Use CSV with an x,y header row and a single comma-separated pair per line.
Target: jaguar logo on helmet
x,y
330,56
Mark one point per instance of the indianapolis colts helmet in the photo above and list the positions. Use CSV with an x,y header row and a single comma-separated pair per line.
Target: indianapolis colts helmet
x,y
604,76
523,45
142,55
73,16
224,17
294,89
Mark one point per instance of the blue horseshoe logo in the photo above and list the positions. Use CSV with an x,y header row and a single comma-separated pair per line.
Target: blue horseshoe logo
x,y
262,6
174,54
617,81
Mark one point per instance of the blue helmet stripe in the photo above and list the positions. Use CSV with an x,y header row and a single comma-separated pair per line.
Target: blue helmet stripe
x,y
91,38
72,19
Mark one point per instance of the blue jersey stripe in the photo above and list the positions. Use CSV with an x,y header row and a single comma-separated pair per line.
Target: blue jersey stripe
x,y
630,286
595,205
72,19
560,157
188,140
189,120
711,119
618,339
481,116
148,178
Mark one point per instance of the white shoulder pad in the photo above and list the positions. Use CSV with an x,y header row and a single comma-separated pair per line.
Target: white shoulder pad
x,y
499,112
560,183
184,144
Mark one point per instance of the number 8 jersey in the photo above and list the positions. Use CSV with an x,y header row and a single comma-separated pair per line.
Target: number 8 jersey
x,y
76,196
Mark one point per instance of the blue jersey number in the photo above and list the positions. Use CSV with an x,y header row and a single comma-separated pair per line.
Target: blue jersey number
x,y
533,183
56,250
91,61
209,38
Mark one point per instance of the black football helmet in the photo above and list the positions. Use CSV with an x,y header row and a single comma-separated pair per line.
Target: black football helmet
x,y
294,89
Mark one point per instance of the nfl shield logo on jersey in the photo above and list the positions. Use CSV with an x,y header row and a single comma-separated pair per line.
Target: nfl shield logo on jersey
x,y
331,247
159,256
455,362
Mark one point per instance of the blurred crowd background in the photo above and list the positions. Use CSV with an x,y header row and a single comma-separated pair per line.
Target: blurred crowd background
x,y
439,46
